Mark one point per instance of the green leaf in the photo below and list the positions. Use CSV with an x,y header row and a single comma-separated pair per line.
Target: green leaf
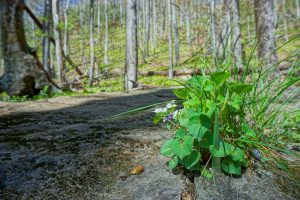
x,y
191,160
220,77
181,93
224,150
182,147
240,88
180,133
248,132
238,154
211,106
173,163
197,126
166,148
231,167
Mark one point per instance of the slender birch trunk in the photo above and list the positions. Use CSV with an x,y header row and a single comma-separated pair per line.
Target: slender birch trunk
x,y
171,75
58,42
131,46
106,62
265,15
237,36
92,48
176,33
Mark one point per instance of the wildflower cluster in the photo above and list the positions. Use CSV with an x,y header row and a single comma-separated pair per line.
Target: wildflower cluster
x,y
167,113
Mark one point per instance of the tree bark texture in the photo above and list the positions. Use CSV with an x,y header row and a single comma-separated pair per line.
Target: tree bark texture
x,y
265,15
23,73
131,46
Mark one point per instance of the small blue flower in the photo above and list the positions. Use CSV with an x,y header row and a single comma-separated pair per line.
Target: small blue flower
x,y
168,118
256,154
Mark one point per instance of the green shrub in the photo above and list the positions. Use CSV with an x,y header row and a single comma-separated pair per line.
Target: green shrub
x,y
228,120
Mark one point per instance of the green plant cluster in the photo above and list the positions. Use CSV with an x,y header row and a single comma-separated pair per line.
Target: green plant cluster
x,y
215,124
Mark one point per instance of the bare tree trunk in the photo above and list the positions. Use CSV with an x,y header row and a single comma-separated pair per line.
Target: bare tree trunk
x,y
170,39
131,46
237,37
213,27
66,39
176,32
23,72
121,11
226,33
154,25
82,57
147,27
285,26
265,15
92,48
188,28
98,18
297,8
58,43
46,40
106,62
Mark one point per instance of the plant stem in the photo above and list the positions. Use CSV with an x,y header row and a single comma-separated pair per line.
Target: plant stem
x,y
216,162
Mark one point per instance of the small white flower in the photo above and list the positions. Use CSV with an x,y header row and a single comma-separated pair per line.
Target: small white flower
x,y
159,110
171,105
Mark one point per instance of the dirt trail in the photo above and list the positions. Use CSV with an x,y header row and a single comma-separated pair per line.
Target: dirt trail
x,y
61,148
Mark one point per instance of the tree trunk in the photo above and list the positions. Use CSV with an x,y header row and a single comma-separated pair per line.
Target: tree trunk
x,y
58,42
170,39
147,27
23,73
46,40
265,15
131,46
154,14
121,11
297,9
213,27
66,39
106,62
285,25
237,37
92,48
226,28
98,18
176,32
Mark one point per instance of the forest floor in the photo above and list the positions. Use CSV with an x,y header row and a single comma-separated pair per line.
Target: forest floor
x,y
65,148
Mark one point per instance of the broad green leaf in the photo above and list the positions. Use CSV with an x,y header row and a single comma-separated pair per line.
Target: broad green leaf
x,y
240,88
211,106
166,148
248,132
182,147
238,154
181,93
173,163
208,86
194,125
220,77
191,160
224,150
180,133
231,167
